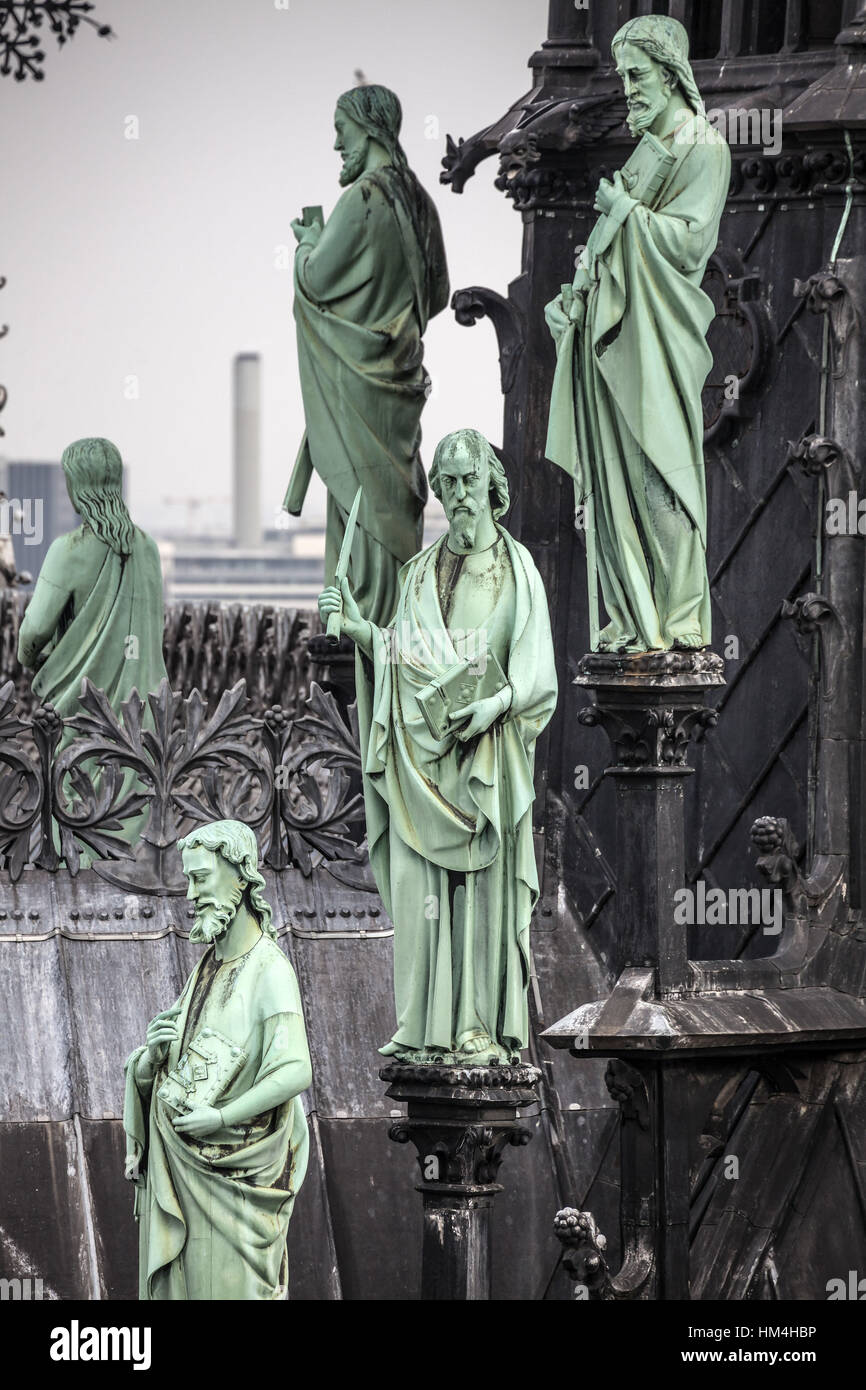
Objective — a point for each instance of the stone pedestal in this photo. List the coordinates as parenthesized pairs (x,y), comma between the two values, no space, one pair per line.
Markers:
(650,706)
(460,1120)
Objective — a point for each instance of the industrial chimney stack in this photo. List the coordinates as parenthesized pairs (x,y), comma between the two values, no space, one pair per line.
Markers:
(247,404)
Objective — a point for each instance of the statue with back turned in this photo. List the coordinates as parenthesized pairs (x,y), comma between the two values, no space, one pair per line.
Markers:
(97,610)
(366,284)
(626,418)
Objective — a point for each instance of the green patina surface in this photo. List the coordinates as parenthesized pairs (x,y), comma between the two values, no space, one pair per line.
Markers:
(449,820)
(625,411)
(365,287)
(212,1109)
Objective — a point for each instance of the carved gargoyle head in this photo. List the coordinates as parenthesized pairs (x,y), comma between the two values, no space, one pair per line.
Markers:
(518,151)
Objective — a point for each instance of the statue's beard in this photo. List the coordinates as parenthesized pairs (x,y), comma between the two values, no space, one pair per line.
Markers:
(643,114)
(463,526)
(353,166)
(214,919)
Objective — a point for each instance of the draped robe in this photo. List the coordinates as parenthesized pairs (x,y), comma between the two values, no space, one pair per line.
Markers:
(97,614)
(625,411)
(449,824)
(88,602)
(212,1223)
(363,296)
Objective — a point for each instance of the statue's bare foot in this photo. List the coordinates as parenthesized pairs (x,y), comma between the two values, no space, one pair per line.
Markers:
(688,642)
(392,1049)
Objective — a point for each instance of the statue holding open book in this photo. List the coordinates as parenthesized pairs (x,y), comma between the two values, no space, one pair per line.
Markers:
(452,697)
(625,412)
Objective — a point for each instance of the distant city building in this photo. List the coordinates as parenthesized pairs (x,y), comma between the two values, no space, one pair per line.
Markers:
(39,491)
(288,568)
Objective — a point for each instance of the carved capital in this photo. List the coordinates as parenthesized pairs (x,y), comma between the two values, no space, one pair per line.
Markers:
(461,1120)
(653,737)
(459,1160)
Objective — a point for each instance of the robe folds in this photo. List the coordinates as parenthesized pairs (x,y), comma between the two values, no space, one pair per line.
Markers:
(99,615)
(625,414)
(88,603)
(449,824)
(363,296)
(212,1222)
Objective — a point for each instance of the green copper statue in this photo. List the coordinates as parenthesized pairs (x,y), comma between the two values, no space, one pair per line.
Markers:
(632,359)
(451,700)
(212,1112)
(365,287)
(97,608)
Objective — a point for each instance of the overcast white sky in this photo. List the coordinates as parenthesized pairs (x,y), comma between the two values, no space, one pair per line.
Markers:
(155,258)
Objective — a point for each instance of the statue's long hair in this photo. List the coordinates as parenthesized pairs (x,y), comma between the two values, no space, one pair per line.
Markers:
(667,41)
(94,477)
(236,843)
(478,448)
(378,111)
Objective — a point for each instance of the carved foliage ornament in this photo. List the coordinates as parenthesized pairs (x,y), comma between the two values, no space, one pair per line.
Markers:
(168,761)
(650,737)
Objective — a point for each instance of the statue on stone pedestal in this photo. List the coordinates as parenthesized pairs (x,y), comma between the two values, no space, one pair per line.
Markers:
(625,410)
(451,699)
(366,285)
(212,1110)
(97,609)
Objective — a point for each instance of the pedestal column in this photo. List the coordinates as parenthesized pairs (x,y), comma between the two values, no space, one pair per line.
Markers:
(461,1120)
(650,706)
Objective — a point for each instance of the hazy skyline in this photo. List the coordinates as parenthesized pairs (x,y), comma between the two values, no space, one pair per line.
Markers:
(148,263)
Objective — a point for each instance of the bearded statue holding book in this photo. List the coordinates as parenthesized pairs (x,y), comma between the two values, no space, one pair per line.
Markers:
(451,700)
(216,1133)
(626,420)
